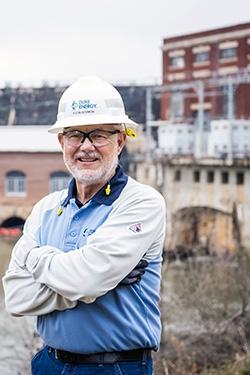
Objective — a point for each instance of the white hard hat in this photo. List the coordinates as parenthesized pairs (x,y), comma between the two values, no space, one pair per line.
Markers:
(91,101)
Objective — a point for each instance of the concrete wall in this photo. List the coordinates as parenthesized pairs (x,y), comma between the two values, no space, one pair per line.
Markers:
(185,193)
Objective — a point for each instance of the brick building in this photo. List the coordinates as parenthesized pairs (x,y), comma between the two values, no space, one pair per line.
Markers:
(210,56)
(31,166)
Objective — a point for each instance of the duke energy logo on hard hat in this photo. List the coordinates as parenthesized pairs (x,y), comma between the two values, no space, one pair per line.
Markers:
(74,105)
(83,106)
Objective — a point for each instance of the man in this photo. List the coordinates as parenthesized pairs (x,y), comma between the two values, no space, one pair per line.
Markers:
(79,263)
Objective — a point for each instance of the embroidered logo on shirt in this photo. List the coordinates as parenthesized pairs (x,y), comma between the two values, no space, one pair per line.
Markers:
(87,232)
(136,228)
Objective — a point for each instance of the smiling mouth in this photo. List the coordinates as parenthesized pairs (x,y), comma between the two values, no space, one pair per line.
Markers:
(87,160)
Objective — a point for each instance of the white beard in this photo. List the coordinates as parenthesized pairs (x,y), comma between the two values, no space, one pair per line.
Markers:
(92,177)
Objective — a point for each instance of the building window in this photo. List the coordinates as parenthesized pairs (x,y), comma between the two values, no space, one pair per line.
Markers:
(15,183)
(177,104)
(210,177)
(228,53)
(177,175)
(224,177)
(201,56)
(58,181)
(240,178)
(177,62)
(196,176)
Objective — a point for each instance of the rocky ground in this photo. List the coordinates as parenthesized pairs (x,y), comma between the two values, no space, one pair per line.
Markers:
(18,343)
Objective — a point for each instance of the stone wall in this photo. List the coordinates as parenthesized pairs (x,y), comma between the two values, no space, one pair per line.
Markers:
(219,203)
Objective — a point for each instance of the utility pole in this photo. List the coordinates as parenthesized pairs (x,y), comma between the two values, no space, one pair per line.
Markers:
(200,125)
(149,117)
(230,99)
(230,116)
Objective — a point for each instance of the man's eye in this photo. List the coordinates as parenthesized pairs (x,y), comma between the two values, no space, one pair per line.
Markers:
(74,135)
(99,136)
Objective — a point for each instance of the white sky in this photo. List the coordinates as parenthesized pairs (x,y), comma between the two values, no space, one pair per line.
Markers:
(119,40)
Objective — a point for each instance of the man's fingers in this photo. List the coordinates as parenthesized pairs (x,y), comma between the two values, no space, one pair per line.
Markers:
(129,281)
(135,275)
(142,264)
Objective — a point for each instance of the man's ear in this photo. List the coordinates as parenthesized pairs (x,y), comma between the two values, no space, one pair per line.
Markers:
(121,141)
(60,139)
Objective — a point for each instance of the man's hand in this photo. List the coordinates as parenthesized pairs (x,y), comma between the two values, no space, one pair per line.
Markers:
(135,275)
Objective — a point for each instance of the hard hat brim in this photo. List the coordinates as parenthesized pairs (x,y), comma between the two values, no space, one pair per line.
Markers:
(92,120)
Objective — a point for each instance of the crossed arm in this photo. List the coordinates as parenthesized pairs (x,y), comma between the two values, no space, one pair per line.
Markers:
(25,296)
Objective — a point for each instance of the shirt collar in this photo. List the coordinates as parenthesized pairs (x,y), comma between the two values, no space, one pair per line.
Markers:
(117,183)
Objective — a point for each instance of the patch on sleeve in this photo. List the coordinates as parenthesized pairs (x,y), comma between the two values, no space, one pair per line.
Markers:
(136,228)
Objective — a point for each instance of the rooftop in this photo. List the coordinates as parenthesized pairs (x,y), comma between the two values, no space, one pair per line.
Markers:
(28,139)
(236,27)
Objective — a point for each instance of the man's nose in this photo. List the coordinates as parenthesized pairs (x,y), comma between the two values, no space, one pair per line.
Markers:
(86,144)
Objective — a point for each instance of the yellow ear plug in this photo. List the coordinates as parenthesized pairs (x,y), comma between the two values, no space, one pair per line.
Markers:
(130,132)
(59,211)
(108,190)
